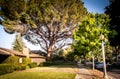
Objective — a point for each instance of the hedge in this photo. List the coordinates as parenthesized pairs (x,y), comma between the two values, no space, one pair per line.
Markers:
(48,63)
(14,60)
(20,67)
(32,65)
(6,68)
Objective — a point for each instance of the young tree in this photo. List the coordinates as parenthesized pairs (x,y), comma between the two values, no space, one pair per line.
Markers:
(48,23)
(86,38)
(18,44)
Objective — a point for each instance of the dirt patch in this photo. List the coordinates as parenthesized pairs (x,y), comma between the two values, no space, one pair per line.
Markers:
(96,74)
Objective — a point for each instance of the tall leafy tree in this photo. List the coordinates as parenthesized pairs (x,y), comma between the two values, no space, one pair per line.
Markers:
(48,23)
(87,37)
(18,44)
(114,14)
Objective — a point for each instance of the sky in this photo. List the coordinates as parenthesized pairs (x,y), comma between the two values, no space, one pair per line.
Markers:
(96,6)
(6,40)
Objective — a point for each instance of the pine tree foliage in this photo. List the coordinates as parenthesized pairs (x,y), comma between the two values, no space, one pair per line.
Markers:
(48,23)
(18,44)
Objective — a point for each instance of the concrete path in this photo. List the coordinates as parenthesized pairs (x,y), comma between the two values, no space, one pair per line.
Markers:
(83,74)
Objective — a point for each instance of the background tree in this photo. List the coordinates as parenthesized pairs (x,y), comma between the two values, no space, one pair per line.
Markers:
(18,44)
(48,23)
(114,14)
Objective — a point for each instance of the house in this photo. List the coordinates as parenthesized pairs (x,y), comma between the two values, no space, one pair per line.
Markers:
(5,53)
(34,56)
(37,56)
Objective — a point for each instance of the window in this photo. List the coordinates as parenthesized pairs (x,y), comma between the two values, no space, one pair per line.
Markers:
(20,60)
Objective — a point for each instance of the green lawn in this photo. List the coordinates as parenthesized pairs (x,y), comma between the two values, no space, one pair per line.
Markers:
(53,72)
(38,75)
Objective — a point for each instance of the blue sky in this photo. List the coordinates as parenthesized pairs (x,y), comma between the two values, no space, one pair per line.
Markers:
(95,6)
(6,40)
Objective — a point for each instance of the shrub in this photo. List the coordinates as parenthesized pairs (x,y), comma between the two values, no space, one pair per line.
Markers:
(32,65)
(48,63)
(14,60)
(26,61)
(11,60)
(6,68)
(20,67)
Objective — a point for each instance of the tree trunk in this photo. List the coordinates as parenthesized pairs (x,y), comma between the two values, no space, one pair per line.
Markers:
(93,62)
(85,60)
(49,53)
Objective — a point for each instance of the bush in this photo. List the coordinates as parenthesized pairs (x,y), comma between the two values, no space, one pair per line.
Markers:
(32,65)
(26,61)
(14,60)
(48,63)
(11,60)
(6,68)
(20,67)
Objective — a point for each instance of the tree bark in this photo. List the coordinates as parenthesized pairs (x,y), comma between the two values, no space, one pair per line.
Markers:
(93,59)
(49,53)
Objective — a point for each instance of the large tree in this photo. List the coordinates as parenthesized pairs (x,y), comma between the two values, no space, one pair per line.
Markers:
(112,10)
(48,23)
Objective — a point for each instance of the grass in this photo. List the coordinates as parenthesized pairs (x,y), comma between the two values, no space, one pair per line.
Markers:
(52,72)
(38,75)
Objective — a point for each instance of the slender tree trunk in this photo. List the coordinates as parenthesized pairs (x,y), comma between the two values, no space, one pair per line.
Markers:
(93,63)
(85,60)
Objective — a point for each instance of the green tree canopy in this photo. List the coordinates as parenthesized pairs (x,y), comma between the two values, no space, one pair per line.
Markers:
(48,23)
(87,37)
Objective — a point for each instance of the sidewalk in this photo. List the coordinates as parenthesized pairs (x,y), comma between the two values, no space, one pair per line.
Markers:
(83,73)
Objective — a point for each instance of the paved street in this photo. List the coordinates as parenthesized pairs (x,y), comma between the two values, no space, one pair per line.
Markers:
(114,73)
(85,74)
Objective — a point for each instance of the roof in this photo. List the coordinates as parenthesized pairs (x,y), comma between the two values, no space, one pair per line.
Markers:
(36,56)
(5,51)
(38,52)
